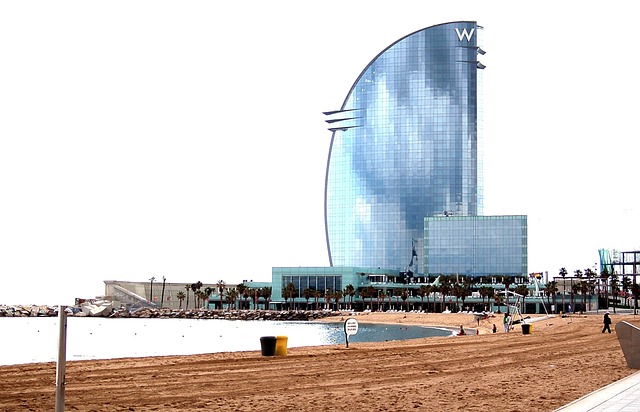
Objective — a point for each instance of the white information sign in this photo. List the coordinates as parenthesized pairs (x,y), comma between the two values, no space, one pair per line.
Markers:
(350,328)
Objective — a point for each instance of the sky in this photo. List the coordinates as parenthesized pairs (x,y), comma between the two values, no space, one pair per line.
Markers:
(187,140)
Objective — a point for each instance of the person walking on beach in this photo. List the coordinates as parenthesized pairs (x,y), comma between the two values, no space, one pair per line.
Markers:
(494,328)
(506,322)
(607,323)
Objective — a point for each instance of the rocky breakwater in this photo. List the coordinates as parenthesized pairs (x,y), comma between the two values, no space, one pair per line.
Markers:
(23,311)
(91,308)
(113,309)
(288,315)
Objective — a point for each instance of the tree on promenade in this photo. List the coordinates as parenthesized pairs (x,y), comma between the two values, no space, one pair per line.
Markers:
(350,291)
(550,289)
(180,297)
(187,288)
(507,281)
(563,273)
(615,289)
(208,291)
(423,291)
(306,294)
(635,290)
(220,285)
(522,290)
(317,294)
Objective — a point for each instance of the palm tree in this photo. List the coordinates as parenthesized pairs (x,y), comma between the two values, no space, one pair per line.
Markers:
(194,287)
(457,292)
(575,288)
(604,276)
(350,291)
(498,301)
(364,294)
(285,295)
(337,296)
(242,289)
(430,290)
(265,293)
(327,298)
(507,281)
(404,295)
(615,289)
(307,293)
(317,294)
(187,288)
(208,291)
(626,286)
(464,292)
(445,287)
(221,285)
(180,297)
(423,291)
(231,297)
(485,292)
(383,295)
(291,293)
(584,289)
(371,292)
(253,292)
(435,289)
(550,289)
(591,276)
(635,290)
(563,272)
(522,290)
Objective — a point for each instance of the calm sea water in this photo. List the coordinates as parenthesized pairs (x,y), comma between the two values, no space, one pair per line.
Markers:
(29,340)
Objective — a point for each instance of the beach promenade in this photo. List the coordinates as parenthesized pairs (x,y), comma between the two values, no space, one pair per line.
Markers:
(560,362)
(620,396)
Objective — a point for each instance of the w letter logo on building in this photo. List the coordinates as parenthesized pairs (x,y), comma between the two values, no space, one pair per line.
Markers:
(464,34)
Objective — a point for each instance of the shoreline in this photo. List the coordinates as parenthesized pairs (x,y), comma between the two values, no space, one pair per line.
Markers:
(562,360)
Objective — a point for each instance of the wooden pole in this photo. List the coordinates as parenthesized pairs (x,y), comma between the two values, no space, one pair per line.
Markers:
(61,366)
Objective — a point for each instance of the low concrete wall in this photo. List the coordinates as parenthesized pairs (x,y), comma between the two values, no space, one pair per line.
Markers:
(629,338)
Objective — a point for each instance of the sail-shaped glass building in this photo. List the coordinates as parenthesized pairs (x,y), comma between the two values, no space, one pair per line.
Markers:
(404,146)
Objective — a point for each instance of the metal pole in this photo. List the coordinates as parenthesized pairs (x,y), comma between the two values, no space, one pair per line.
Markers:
(62,358)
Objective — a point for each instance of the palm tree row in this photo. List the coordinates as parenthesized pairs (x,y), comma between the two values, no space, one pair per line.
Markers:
(225,295)
(587,283)
(455,286)
(584,283)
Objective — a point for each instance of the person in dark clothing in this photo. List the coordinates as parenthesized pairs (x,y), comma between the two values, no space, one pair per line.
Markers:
(607,323)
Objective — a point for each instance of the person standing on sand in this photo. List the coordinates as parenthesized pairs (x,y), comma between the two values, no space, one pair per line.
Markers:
(607,323)
(506,322)
(494,328)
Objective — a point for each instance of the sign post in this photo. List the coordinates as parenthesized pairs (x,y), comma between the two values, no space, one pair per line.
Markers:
(350,328)
(61,365)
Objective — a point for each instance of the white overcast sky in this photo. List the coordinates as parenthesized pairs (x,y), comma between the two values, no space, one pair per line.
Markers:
(186,139)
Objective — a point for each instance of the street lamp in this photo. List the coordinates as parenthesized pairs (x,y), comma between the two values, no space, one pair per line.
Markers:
(162,296)
(597,276)
(151,294)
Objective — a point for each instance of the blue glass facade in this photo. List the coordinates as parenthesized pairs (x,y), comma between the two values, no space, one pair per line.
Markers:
(475,245)
(404,146)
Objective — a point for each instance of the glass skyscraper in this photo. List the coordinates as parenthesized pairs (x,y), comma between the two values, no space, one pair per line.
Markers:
(404,146)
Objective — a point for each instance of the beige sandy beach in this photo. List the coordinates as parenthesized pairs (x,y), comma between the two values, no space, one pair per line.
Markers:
(561,360)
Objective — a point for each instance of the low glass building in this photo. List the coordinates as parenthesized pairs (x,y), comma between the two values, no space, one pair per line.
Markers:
(475,245)
(325,279)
